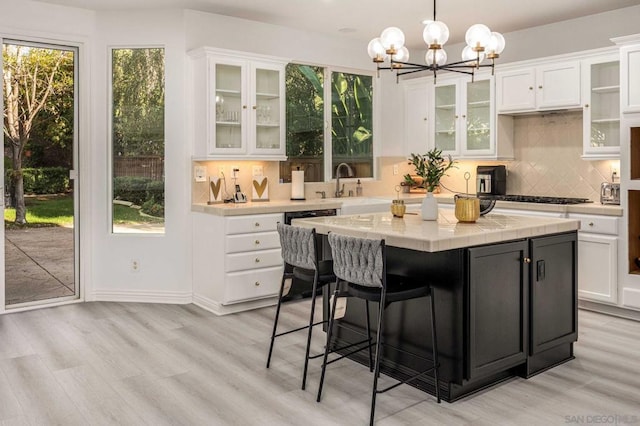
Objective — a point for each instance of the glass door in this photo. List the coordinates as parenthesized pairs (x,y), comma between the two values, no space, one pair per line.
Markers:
(446,118)
(40,154)
(230,108)
(478,120)
(268,109)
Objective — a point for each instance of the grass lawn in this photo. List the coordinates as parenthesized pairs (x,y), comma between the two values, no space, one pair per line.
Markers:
(58,211)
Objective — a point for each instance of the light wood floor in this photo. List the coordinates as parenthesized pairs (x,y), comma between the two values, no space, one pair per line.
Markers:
(118,363)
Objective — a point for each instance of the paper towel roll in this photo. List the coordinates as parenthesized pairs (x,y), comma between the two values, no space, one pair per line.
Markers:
(297,185)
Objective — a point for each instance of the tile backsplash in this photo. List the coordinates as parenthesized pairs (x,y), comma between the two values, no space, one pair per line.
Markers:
(547,147)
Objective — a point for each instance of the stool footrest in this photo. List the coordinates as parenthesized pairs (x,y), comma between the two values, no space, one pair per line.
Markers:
(350,352)
(401,382)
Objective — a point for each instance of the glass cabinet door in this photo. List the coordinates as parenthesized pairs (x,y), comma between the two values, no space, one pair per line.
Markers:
(445,117)
(478,124)
(267,109)
(605,105)
(229,107)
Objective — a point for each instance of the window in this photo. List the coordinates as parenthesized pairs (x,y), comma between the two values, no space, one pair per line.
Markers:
(137,140)
(347,105)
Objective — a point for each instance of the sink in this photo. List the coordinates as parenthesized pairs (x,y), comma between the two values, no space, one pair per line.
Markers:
(359,205)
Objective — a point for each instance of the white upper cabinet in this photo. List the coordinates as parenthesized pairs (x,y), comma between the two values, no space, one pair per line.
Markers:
(629,72)
(238,105)
(416,116)
(601,110)
(544,87)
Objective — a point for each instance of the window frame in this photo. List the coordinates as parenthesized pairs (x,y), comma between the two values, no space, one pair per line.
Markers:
(327,137)
(110,148)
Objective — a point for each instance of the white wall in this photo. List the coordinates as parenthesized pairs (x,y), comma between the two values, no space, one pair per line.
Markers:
(165,266)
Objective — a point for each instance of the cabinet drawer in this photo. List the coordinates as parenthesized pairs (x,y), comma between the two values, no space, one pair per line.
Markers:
(251,242)
(596,224)
(241,286)
(253,260)
(253,223)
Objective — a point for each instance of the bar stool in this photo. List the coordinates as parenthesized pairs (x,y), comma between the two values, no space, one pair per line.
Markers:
(300,255)
(361,272)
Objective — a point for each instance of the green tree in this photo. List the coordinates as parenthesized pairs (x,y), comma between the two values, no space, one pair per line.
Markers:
(138,101)
(31,78)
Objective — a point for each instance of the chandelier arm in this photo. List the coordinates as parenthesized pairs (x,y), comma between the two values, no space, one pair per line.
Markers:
(434,10)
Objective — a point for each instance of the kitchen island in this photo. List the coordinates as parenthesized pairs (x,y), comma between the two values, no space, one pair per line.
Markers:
(505,293)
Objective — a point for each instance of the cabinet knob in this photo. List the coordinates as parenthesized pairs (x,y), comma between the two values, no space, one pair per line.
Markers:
(456,116)
(540,87)
(464,116)
(255,107)
(586,105)
(257,260)
(257,283)
(257,242)
(527,260)
(244,107)
(530,87)
(425,119)
(257,224)
(590,223)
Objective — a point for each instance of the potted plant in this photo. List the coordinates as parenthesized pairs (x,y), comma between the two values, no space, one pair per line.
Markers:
(431,167)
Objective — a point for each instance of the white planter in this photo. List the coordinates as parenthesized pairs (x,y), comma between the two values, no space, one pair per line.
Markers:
(429,209)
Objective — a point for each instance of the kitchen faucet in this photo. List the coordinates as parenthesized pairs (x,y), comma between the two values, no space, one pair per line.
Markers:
(340,191)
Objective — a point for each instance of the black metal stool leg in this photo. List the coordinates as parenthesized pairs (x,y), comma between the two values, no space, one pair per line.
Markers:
(311,315)
(376,371)
(275,322)
(434,344)
(369,336)
(332,312)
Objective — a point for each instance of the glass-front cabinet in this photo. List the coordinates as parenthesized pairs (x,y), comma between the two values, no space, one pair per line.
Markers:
(601,111)
(239,105)
(463,117)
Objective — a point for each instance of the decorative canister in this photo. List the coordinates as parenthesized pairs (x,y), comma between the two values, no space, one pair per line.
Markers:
(398,208)
(467,208)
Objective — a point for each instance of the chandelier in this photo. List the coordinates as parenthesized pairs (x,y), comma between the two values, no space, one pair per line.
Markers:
(481,44)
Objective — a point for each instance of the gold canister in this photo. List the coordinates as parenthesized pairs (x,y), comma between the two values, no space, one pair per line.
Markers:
(467,208)
(398,208)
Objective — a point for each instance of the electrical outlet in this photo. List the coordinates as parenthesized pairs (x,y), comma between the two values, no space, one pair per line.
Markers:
(200,173)
(614,174)
(221,171)
(395,169)
(135,265)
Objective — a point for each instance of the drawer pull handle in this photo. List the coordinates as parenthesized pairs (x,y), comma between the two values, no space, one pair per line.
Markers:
(257,260)
(257,224)
(257,242)
(590,223)
(527,260)
(257,283)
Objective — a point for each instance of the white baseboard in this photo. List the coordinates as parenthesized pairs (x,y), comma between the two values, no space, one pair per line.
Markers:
(609,310)
(142,296)
(219,309)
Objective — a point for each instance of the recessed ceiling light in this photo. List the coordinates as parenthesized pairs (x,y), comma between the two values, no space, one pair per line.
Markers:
(347,30)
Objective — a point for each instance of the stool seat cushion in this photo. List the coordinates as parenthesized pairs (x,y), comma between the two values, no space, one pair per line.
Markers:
(325,269)
(398,288)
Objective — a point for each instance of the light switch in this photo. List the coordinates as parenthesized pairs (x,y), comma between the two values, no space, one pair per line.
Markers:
(258,171)
(200,173)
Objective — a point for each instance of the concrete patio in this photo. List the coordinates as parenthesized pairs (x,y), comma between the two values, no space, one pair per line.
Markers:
(38,264)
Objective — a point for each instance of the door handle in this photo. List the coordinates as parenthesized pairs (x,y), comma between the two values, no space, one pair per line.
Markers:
(540,270)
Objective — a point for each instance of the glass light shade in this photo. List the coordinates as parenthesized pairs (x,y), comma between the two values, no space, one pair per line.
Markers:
(376,49)
(438,57)
(392,37)
(402,55)
(470,56)
(496,43)
(478,35)
(436,32)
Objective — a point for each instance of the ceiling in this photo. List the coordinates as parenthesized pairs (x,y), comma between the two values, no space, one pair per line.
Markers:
(365,19)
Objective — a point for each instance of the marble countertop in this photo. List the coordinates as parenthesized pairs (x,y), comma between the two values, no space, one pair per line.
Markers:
(446,233)
(281,206)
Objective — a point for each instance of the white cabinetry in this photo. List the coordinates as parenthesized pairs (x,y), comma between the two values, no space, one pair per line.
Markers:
(237,261)
(238,105)
(416,116)
(544,87)
(629,72)
(597,258)
(601,111)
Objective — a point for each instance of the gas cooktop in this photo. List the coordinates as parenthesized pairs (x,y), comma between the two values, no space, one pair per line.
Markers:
(536,199)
